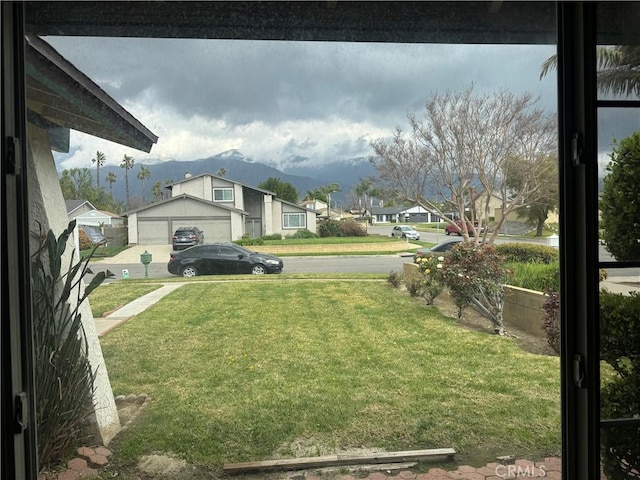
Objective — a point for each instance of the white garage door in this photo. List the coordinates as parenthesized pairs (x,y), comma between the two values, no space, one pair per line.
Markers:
(214,230)
(153,232)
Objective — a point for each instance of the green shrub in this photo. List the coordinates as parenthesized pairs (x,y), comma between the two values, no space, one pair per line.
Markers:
(248,242)
(551,319)
(303,234)
(620,348)
(429,283)
(329,228)
(395,279)
(350,228)
(414,287)
(619,200)
(535,276)
(527,253)
(273,236)
(64,379)
(475,275)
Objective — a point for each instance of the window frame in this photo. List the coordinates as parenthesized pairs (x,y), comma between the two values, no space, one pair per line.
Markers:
(224,190)
(285,223)
(576,35)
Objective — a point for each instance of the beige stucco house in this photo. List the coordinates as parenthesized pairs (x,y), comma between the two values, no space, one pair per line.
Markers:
(225,210)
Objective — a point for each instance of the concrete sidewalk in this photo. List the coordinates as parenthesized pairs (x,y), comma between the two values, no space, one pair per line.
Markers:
(124,313)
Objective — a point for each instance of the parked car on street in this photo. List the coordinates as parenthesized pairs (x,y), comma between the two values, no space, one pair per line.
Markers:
(185,237)
(220,259)
(439,248)
(406,232)
(457,228)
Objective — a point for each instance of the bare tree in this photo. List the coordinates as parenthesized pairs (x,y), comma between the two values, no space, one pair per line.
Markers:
(461,148)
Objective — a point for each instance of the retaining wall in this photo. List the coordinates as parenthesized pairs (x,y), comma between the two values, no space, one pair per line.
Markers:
(522,307)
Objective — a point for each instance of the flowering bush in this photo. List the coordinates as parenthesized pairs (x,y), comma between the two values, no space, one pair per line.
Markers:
(430,284)
(475,275)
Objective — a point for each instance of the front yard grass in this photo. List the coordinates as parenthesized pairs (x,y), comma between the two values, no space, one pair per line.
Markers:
(109,296)
(242,371)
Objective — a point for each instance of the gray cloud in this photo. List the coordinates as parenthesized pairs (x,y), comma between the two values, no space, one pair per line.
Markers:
(256,93)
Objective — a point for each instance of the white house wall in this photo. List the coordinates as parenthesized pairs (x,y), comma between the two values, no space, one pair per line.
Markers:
(81,210)
(133,228)
(199,187)
(96,218)
(46,205)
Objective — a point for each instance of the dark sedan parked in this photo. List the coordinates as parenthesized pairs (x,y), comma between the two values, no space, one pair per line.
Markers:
(222,258)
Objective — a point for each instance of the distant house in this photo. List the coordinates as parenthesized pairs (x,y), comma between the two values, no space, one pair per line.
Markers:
(77,207)
(85,213)
(414,214)
(100,218)
(225,210)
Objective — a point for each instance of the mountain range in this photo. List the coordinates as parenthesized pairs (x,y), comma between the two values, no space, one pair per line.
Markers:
(301,173)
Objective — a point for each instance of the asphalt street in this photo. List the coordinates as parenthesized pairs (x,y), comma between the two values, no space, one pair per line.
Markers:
(134,269)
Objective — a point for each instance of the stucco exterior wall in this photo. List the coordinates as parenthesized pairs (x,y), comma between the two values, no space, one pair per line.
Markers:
(47,207)
(197,187)
(133,228)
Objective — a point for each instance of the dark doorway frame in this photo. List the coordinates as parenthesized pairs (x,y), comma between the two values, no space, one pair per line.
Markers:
(450,22)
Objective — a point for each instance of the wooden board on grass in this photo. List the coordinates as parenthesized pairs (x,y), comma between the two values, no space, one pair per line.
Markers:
(339,460)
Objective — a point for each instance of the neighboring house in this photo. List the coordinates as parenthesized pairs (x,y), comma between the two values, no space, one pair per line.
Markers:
(100,218)
(414,214)
(77,207)
(223,209)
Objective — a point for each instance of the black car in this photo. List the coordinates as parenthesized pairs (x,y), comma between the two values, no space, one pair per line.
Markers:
(439,248)
(185,237)
(222,258)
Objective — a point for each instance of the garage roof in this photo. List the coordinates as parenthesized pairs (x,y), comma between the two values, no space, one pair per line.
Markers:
(182,197)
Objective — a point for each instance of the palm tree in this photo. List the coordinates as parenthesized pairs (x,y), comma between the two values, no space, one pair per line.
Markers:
(111,179)
(618,69)
(99,161)
(127,164)
(156,190)
(143,174)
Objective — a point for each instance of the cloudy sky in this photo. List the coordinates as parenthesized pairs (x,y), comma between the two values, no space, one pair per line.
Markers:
(276,100)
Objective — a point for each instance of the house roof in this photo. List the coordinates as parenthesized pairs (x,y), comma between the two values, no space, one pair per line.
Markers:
(73,205)
(101,213)
(182,197)
(386,210)
(222,178)
(60,97)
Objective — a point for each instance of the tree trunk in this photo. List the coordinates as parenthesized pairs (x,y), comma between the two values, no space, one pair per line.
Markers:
(539,227)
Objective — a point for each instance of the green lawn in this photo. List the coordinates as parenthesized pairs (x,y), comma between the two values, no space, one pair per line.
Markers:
(109,296)
(242,371)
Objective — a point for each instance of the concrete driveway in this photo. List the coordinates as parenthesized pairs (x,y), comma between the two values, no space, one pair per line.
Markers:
(159,254)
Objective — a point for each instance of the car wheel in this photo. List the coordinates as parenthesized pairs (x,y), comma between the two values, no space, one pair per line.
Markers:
(404,237)
(258,269)
(447,232)
(189,272)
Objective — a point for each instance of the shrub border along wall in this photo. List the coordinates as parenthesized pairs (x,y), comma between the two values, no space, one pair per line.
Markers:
(522,307)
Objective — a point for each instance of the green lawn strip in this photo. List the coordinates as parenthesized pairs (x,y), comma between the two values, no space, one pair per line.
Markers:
(102,252)
(110,296)
(332,240)
(238,371)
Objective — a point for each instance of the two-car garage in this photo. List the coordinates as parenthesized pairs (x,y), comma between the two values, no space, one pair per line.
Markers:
(155,223)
